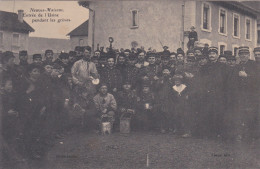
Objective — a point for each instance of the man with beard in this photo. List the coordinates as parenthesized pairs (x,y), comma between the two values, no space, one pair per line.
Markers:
(111,76)
(48,56)
(245,75)
(141,60)
(84,71)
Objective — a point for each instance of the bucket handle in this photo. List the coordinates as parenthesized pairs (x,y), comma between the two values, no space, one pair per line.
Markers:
(121,117)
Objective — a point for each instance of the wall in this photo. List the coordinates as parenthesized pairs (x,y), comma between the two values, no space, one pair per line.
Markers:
(39,45)
(158,20)
(7,42)
(214,35)
(74,41)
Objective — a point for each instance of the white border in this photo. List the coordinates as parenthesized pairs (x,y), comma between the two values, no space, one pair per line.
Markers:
(238,32)
(201,25)
(225,26)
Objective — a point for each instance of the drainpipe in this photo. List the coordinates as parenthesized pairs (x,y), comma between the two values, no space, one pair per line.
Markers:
(93,29)
(182,24)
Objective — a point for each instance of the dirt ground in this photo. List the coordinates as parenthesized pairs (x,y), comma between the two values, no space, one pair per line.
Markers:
(129,151)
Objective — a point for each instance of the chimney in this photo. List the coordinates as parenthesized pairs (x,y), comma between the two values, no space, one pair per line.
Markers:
(20,15)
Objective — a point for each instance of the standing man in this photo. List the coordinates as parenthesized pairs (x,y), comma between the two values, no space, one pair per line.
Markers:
(193,36)
(48,56)
(84,71)
(245,76)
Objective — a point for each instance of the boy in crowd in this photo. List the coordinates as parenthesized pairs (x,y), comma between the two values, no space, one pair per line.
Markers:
(127,99)
(37,59)
(105,104)
(145,109)
(48,56)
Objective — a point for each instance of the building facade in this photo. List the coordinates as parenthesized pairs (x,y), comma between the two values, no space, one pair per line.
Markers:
(14,32)
(225,25)
(79,36)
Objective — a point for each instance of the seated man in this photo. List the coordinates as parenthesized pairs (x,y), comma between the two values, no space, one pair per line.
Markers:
(105,104)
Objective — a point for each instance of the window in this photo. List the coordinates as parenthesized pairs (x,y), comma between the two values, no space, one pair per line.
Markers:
(16,39)
(258,36)
(134,21)
(236,25)
(248,29)
(222,49)
(235,49)
(222,46)
(222,21)
(206,17)
(1,38)
(81,42)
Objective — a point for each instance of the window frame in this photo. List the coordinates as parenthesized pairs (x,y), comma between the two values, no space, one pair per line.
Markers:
(221,44)
(225,26)
(250,39)
(233,48)
(202,15)
(18,44)
(2,42)
(82,42)
(238,27)
(136,19)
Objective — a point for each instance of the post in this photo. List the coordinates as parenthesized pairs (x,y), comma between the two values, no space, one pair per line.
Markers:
(182,24)
(93,31)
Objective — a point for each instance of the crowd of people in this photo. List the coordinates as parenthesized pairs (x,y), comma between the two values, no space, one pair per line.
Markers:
(200,93)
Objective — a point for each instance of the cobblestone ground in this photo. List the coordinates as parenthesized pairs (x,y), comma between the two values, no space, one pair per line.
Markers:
(166,151)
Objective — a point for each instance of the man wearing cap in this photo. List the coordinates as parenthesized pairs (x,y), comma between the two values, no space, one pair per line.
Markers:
(111,75)
(121,63)
(48,57)
(212,81)
(37,59)
(257,89)
(63,61)
(245,75)
(84,71)
(131,72)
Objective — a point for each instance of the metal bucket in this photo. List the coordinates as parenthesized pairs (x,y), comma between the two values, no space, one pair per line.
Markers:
(125,124)
(106,127)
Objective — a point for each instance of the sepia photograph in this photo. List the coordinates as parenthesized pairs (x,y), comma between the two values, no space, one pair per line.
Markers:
(129,84)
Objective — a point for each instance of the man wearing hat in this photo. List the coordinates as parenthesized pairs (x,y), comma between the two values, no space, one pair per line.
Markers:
(37,59)
(245,74)
(257,88)
(121,62)
(79,52)
(63,60)
(84,71)
(48,56)
(212,80)
(131,72)
(111,75)
(193,36)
